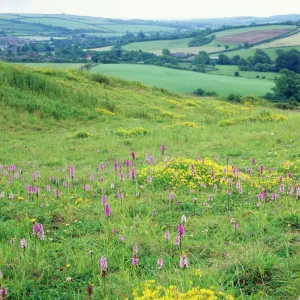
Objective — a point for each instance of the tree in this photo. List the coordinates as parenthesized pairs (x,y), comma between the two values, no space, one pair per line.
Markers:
(287,86)
(166,52)
(224,60)
(205,57)
(235,60)
(246,45)
(236,74)
(260,57)
(226,47)
(288,60)
(199,60)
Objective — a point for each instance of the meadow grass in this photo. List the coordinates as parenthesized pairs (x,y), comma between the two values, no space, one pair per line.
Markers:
(185,81)
(51,65)
(256,259)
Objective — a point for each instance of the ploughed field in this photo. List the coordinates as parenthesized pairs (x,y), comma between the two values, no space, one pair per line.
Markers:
(252,37)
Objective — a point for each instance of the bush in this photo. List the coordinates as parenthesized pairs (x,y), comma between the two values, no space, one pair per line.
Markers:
(211,94)
(291,105)
(202,93)
(232,97)
(236,73)
(199,92)
(81,134)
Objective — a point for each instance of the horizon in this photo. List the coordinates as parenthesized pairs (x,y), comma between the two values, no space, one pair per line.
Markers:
(168,10)
(150,19)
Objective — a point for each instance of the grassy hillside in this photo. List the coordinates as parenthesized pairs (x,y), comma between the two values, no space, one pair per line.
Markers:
(51,119)
(52,65)
(186,81)
(40,25)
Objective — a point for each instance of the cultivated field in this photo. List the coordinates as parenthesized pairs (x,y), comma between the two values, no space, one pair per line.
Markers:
(113,190)
(185,81)
(290,41)
(252,37)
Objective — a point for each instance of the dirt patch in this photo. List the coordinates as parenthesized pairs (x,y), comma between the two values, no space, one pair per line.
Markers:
(252,36)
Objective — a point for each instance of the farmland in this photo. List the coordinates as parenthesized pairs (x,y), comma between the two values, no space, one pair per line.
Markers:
(24,24)
(111,190)
(252,37)
(290,41)
(179,45)
(185,81)
(223,38)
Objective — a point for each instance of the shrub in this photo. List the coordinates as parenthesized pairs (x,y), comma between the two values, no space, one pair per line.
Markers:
(132,132)
(103,111)
(81,134)
(232,97)
(236,74)
(262,117)
(199,92)
(211,94)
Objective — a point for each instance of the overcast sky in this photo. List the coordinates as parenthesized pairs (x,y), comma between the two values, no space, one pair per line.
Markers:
(154,9)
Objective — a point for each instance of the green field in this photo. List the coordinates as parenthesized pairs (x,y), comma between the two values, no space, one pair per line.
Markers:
(230,70)
(186,81)
(213,215)
(136,28)
(179,45)
(245,53)
(32,24)
(61,23)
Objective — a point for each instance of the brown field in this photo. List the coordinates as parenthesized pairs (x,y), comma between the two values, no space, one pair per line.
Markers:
(252,36)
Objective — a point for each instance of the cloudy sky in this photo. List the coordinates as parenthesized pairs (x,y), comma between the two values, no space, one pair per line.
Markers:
(154,9)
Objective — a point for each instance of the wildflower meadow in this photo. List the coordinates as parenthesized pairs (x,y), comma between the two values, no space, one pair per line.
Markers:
(119,200)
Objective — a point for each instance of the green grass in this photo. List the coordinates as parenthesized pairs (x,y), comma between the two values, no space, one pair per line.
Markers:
(52,65)
(230,70)
(258,261)
(185,81)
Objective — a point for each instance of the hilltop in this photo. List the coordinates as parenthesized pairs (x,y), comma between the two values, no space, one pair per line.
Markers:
(111,189)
